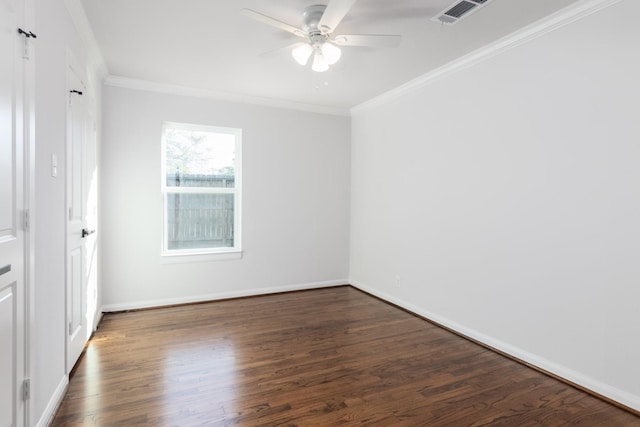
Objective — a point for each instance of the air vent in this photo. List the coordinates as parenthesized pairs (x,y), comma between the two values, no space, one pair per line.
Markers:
(459,10)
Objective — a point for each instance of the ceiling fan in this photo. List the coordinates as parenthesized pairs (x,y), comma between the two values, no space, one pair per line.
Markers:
(318,24)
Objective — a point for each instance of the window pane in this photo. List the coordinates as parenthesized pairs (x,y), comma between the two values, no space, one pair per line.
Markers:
(197,158)
(197,221)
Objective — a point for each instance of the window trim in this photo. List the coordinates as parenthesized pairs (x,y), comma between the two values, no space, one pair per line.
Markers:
(204,254)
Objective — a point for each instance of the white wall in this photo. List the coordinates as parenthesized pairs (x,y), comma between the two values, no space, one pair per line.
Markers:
(295,223)
(506,198)
(56,37)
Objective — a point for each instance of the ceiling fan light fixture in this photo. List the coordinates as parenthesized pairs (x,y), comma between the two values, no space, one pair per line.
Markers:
(331,53)
(319,62)
(319,21)
(302,53)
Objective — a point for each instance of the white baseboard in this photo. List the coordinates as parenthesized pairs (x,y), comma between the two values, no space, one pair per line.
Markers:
(49,412)
(220,295)
(627,399)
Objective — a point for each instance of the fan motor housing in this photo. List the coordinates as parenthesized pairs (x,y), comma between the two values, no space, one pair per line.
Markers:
(311,17)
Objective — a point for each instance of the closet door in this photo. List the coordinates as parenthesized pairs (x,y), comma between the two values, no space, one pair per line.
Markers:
(81,218)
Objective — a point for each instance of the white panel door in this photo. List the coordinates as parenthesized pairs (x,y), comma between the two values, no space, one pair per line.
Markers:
(12,277)
(80,238)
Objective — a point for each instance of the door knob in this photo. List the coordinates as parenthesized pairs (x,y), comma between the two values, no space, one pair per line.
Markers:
(5,269)
(86,232)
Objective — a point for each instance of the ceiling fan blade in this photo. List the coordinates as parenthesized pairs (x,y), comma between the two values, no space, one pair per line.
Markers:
(273,22)
(370,40)
(280,50)
(334,13)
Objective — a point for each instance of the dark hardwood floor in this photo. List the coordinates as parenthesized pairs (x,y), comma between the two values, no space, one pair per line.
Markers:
(316,358)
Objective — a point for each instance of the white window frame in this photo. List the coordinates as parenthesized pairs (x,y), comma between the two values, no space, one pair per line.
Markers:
(203,254)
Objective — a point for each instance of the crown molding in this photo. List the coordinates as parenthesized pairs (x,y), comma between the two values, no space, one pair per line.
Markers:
(539,28)
(128,83)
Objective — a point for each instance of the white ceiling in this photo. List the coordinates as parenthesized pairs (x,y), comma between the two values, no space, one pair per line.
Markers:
(208,44)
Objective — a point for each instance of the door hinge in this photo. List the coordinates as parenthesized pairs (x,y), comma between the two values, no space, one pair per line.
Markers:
(70,328)
(26,389)
(26,220)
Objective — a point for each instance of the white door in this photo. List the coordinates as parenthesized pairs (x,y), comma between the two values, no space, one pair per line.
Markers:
(12,271)
(81,220)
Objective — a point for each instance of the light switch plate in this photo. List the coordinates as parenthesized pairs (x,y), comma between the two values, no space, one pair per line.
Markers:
(54,165)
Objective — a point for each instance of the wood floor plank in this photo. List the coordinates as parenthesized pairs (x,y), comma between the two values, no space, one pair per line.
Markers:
(315,358)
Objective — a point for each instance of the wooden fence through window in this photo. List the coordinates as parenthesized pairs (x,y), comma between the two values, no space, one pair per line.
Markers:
(200,220)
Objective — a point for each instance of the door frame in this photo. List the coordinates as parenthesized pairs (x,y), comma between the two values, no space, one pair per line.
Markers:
(24,160)
(29,188)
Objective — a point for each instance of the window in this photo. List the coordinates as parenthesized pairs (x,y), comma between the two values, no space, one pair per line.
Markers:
(201,189)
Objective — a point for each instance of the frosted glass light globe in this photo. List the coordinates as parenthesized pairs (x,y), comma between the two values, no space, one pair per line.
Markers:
(319,62)
(331,53)
(302,53)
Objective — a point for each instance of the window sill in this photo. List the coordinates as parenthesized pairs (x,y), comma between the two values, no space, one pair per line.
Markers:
(185,257)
